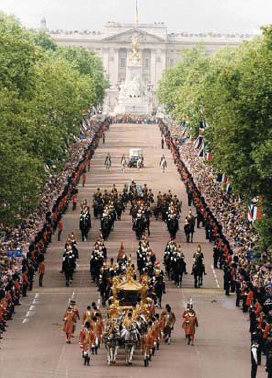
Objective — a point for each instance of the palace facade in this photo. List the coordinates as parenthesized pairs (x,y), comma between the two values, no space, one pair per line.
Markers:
(158,48)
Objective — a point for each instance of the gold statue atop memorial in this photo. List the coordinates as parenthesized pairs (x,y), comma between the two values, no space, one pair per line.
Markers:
(135,54)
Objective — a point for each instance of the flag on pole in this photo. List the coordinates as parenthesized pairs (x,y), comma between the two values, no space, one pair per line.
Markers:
(224,181)
(137,13)
(254,209)
(209,156)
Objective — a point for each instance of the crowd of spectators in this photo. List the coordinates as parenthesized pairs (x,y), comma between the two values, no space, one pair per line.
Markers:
(224,216)
(135,119)
(22,248)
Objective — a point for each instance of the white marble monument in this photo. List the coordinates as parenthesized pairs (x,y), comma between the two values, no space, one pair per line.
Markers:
(133,95)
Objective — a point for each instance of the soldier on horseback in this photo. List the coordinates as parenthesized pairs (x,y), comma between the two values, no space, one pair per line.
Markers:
(189,227)
(198,268)
(163,163)
(85,222)
(123,162)
(108,161)
(172,221)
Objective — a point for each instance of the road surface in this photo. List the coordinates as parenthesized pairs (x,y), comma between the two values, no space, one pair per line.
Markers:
(34,346)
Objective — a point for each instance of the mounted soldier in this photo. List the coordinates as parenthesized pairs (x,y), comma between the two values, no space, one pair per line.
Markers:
(108,161)
(172,221)
(85,223)
(198,268)
(123,163)
(189,227)
(163,163)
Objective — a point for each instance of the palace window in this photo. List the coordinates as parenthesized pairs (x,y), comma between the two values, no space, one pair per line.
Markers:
(146,63)
(123,62)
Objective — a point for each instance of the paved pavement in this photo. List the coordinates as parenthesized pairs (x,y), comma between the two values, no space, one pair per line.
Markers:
(34,345)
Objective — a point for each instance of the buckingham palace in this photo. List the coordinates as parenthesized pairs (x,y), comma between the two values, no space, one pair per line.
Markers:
(159,49)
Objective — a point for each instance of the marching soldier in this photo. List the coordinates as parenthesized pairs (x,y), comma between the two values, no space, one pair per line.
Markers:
(75,313)
(100,326)
(189,325)
(145,348)
(168,321)
(85,341)
(87,316)
(96,333)
(69,324)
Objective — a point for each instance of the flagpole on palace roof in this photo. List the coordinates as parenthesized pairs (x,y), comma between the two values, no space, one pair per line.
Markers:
(137,14)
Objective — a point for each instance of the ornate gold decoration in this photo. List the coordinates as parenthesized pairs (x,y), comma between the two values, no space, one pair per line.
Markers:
(135,54)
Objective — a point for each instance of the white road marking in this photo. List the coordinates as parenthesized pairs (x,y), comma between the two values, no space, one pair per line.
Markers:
(31,310)
(215,277)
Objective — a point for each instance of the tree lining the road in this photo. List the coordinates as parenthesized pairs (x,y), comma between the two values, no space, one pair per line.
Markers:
(43,90)
(232,92)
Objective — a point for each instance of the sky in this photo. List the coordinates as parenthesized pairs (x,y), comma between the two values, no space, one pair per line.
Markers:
(222,16)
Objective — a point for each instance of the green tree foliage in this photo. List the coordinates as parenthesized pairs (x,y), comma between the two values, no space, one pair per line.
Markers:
(44,40)
(180,88)
(42,94)
(18,56)
(88,64)
(232,91)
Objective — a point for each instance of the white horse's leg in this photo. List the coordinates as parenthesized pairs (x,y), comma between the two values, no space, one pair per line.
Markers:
(115,352)
(131,353)
(126,353)
(109,355)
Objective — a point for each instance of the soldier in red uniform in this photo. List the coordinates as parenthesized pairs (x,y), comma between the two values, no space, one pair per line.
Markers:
(24,283)
(75,313)
(95,328)
(87,316)
(60,228)
(86,339)
(147,343)
(83,178)
(189,325)
(100,325)
(41,273)
(168,319)
(74,200)
(69,324)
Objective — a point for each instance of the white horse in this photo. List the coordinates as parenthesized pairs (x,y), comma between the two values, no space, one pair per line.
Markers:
(108,162)
(139,163)
(130,336)
(163,164)
(123,164)
(112,338)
